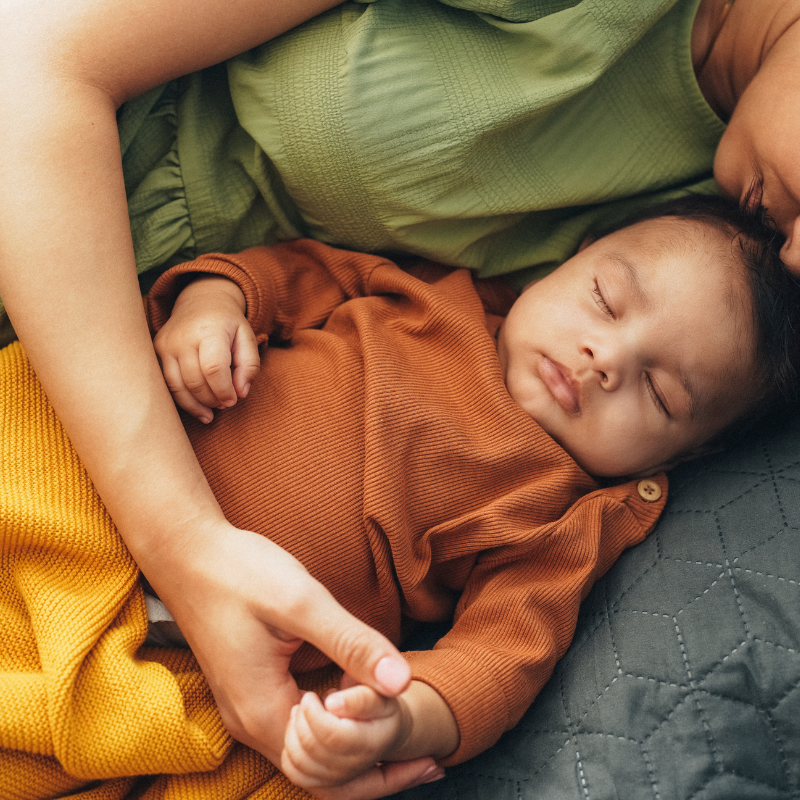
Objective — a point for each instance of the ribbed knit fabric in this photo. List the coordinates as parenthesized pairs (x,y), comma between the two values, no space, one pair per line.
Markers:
(379,445)
(79,700)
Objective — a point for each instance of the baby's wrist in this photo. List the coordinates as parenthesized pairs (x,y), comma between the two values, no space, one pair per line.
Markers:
(427,727)
(403,734)
(214,285)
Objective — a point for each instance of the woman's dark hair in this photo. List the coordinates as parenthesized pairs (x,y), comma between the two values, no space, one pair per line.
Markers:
(774,292)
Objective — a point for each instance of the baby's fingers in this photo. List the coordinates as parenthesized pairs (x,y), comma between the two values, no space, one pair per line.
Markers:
(246,359)
(180,393)
(360,703)
(312,746)
(213,385)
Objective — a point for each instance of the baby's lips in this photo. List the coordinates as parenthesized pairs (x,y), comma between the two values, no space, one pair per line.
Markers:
(554,377)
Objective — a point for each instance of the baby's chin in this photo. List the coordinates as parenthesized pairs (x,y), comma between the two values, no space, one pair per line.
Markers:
(605,465)
(604,462)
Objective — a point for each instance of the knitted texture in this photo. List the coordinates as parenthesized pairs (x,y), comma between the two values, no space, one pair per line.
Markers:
(82,701)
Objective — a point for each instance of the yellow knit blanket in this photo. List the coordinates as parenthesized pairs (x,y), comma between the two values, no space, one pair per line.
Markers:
(85,710)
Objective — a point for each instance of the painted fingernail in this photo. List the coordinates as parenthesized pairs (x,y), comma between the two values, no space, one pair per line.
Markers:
(435,775)
(334,702)
(392,674)
(429,771)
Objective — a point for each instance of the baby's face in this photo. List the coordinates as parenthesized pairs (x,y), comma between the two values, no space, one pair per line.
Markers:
(635,351)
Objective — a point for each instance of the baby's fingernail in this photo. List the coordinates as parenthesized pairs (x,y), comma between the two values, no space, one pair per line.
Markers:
(392,674)
(206,418)
(245,390)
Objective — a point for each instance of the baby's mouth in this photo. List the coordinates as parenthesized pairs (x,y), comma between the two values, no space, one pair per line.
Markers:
(555,378)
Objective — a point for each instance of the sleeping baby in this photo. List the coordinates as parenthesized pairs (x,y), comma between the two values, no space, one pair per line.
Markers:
(434,448)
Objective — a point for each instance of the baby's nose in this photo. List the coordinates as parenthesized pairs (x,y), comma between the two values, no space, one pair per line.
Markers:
(607,366)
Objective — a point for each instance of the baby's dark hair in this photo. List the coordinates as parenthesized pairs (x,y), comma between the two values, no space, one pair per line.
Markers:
(774,294)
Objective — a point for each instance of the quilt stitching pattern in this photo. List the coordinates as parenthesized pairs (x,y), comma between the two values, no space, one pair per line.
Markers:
(683,679)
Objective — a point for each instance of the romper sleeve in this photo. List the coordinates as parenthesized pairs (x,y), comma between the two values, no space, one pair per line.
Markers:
(518,612)
(287,287)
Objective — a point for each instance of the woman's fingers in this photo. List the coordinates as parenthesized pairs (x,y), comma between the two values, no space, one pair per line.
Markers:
(359,650)
(384,780)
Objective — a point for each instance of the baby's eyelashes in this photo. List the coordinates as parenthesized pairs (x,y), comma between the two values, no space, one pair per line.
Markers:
(601,301)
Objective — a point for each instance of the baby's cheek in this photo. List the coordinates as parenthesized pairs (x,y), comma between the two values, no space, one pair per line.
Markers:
(613,447)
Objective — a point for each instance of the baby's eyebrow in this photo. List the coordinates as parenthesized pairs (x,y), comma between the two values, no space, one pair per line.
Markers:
(631,272)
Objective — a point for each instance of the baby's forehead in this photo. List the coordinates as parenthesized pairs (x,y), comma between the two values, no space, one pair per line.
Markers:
(733,384)
(692,237)
(692,277)
(731,377)
(703,246)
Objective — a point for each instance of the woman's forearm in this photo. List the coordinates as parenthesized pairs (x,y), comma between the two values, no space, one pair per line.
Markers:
(68,281)
(67,272)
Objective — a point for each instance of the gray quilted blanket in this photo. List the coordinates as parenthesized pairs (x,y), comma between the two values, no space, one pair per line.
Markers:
(683,680)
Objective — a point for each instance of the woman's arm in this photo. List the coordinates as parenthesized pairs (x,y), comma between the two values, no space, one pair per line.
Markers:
(67,279)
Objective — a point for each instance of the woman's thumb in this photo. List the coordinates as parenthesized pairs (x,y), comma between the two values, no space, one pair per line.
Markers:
(366,655)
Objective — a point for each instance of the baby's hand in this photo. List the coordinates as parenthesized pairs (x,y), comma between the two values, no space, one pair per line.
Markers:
(207,349)
(328,744)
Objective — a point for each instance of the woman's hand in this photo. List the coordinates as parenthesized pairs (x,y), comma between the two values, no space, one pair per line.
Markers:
(207,349)
(245,606)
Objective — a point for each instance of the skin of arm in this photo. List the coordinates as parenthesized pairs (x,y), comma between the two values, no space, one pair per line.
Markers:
(67,279)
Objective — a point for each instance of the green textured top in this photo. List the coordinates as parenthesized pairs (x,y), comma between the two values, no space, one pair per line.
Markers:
(482,134)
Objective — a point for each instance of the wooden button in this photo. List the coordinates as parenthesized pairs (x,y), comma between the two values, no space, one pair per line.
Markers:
(649,490)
